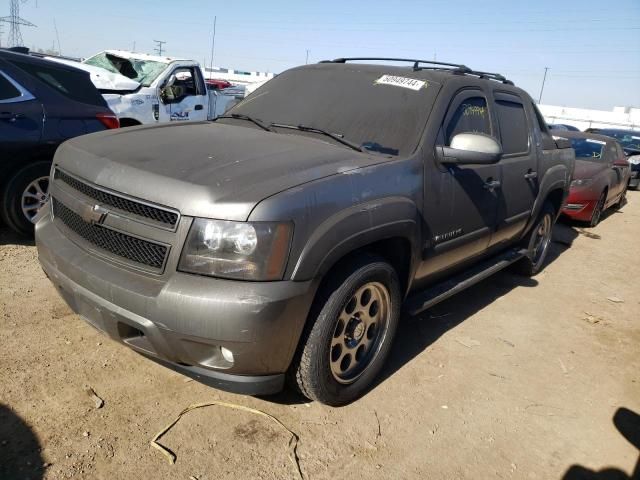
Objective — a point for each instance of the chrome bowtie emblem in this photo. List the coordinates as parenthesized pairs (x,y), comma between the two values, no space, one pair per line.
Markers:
(94,214)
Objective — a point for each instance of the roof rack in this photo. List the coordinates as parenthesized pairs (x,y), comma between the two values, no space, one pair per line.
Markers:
(454,68)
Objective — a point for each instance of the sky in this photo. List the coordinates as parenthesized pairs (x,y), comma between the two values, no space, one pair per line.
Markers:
(591,47)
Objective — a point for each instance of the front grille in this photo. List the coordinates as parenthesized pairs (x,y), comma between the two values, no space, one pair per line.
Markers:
(165,217)
(132,248)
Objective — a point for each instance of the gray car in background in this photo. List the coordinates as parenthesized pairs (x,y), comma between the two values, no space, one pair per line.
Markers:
(284,239)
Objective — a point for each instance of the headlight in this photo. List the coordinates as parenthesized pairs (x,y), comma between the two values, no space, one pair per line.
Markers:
(583,182)
(236,250)
(634,160)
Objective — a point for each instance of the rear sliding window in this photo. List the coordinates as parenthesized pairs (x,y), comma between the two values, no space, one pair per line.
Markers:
(514,131)
(7,90)
(71,84)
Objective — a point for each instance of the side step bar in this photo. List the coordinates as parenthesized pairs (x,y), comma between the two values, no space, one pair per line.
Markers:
(420,301)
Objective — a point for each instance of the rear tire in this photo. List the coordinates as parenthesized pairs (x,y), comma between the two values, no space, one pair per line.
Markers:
(24,194)
(349,332)
(537,242)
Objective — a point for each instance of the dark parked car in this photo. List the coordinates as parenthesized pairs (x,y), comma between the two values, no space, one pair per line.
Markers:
(600,177)
(287,236)
(563,127)
(630,141)
(42,104)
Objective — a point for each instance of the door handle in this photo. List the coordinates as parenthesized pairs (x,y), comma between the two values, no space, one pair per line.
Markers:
(199,107)
(491,185)
(530,175)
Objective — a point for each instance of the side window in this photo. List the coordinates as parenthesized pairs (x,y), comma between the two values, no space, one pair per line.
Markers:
(514,131)
(7,90)
(471,115)
(75,85)
(186,80)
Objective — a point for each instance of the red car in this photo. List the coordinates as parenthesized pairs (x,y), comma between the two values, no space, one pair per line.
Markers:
(600,178)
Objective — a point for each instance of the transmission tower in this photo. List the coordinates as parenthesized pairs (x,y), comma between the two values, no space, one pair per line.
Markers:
(158,49)
(14,20)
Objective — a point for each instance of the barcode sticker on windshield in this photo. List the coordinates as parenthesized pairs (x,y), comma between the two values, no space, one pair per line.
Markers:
(404,82)
(591,140)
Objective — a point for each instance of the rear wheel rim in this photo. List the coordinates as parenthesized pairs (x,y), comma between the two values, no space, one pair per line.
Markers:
(359,332)
(34,197)
(542,239)
(597,212)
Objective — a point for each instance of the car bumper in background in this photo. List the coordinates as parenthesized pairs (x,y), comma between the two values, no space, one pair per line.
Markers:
(236,336)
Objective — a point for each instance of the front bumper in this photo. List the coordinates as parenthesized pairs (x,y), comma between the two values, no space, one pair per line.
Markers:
(184,321)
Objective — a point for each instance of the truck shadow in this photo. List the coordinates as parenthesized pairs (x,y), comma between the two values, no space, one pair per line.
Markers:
(627,423)
(8,237)
(19,448)
(415,334)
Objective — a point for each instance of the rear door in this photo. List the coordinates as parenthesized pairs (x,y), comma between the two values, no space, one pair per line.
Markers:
(518,166)
(21,115)
(460,207)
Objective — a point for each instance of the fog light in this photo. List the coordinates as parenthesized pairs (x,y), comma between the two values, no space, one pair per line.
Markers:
(227,354)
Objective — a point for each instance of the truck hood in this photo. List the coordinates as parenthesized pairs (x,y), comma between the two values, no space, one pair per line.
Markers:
(205,169)
(587,169)
(102,79)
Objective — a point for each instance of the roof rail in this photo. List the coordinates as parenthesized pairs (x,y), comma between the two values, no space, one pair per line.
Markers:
(416,63)
(431,64)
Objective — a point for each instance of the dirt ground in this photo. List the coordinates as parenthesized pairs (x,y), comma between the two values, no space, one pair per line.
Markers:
(515,378)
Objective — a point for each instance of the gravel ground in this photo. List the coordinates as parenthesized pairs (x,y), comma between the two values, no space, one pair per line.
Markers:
(515,378)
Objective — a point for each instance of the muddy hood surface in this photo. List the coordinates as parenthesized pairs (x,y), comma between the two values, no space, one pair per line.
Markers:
(205,169)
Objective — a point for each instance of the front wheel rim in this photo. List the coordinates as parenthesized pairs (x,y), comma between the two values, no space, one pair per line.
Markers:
(359,333)
(598,211)
(34,197)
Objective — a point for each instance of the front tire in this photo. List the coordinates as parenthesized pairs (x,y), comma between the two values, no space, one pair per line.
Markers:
(23,196)
(597,211)
(537,242)
(349,333)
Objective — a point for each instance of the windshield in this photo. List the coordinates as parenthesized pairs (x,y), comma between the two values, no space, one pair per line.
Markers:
(142,71)
(628,139)
(359,104)
(588,149)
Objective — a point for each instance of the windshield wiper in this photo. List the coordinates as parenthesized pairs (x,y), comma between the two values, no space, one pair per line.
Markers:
(304,128)
(240,116)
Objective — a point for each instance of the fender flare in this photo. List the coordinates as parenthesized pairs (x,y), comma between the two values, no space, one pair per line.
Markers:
(354,228)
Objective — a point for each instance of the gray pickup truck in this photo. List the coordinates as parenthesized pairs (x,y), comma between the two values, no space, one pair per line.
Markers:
(284,240)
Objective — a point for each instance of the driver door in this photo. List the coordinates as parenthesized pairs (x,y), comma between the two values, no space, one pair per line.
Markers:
(460,201)
(184,96)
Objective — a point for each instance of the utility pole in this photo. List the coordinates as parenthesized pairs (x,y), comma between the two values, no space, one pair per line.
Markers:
(14,20)
(134,46)
(544,79)
(307,60)
(213,44)
(158,49)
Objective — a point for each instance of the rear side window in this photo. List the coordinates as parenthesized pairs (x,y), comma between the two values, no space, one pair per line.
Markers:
(514,131)
(71,84)
(7,90)
(470,116)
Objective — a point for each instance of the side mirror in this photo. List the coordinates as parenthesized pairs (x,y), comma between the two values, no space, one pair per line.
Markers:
(620,162)
(470,149)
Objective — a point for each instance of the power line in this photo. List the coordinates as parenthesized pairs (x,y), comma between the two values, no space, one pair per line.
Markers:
(158,49)
(14,20)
